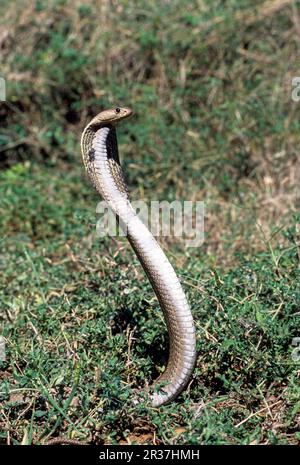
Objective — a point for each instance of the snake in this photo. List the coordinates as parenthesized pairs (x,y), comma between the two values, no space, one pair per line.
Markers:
(100,155)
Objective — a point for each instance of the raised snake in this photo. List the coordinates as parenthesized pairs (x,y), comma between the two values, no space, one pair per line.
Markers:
(101,159)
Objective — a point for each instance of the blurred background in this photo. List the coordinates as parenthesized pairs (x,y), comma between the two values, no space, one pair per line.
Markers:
(210,83)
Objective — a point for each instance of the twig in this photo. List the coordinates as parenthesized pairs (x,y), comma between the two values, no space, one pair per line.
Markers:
(72,442)
(257,413)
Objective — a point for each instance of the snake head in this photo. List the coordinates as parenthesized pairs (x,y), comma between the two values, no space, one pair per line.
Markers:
(112,116)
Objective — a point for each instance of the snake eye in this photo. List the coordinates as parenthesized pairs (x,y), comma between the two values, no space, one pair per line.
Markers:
(117,110)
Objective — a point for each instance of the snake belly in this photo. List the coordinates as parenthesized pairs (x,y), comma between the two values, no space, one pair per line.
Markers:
(101,159)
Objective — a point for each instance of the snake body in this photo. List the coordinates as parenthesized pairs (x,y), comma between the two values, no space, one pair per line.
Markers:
(101,159)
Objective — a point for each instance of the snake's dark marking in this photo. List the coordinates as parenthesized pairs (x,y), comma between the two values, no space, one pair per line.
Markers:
(107,177)
(91,155)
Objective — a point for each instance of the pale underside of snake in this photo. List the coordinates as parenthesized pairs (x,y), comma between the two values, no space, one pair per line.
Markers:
(101,159)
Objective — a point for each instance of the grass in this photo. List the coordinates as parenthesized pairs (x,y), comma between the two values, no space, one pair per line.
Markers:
(210,86)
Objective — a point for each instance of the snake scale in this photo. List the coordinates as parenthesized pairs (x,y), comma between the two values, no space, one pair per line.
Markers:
(101,159)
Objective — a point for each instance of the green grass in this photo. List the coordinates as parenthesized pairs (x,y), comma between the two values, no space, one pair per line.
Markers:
(214,121)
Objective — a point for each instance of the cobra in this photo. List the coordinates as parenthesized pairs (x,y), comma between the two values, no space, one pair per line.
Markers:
(101,159)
